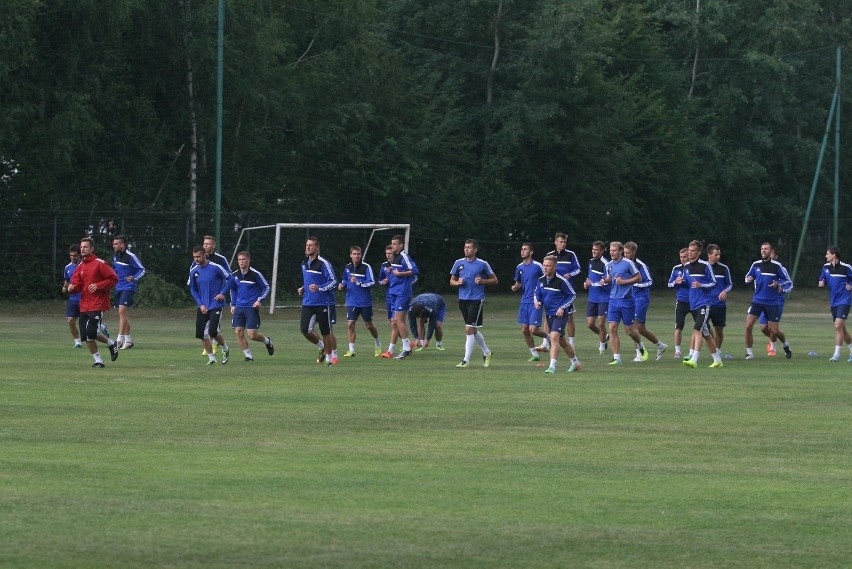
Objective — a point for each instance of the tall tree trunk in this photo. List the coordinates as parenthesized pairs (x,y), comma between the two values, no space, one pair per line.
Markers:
(489,91)
(489,85)
(193,125)
(695,59)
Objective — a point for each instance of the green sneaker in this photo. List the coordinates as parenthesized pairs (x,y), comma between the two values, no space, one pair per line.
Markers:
(226,355)
(615,363)
(462,364)
(210,363)
(715,364)
(440,347)
(378,351)
(644,355)
(534,359)
(486,360)
(690,363)
(571,369)
(349,355)
(550,370)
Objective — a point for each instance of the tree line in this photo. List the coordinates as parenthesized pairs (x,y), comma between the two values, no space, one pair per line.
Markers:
(658,121)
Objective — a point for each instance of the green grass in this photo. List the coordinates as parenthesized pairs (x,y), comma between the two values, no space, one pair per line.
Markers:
(158,460)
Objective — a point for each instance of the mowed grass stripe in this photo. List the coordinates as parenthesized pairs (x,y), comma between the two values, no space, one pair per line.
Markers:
(158,460)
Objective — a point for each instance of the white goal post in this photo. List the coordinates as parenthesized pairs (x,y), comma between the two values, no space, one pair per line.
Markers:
(279,226)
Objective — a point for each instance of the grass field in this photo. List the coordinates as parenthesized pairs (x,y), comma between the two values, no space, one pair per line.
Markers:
(158,460)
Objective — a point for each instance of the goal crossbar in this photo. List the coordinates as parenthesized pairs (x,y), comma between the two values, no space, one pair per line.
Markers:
(279,226)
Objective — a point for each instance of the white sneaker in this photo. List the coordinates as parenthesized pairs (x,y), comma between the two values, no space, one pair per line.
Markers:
(638,359)
(661,350)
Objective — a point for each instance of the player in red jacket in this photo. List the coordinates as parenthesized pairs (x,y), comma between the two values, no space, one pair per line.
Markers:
(93,279)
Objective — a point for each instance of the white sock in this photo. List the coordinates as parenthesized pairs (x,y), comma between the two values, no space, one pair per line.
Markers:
(533,351)
(480,341)
(553,363)
(406,345)
(352,347)
(469,341)
(571,340)
(98,359)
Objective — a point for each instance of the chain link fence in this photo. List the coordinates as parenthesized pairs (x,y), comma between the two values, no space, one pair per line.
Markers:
(35,247)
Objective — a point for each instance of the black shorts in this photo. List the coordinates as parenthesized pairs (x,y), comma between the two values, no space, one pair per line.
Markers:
(324,316)
(681,310)
(471,312)
(702,316)
(90,325)
(202,320)
(719,316)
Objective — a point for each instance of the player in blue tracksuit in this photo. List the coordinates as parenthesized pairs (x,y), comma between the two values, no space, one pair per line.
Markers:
(642,296)
(471,275)
(837,277)
(770,280)
(681,298)
(317,292)
(598,304)
(129,270)
(209,244)
(556,296)
(719,294)
(248,288)
(426,318)
(358,282)
(779,300)
(403,272)
(527,274)
(621,275)
(72,307)
(700,279)
(568,266)
(207,283)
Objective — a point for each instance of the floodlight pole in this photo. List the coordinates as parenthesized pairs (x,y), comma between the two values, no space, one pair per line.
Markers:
(835,108)
(220,72)
(835,234)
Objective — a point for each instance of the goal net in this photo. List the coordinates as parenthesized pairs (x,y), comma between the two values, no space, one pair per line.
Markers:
(288,251)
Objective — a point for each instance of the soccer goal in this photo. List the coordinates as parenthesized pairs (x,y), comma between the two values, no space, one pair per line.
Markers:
(335,240)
